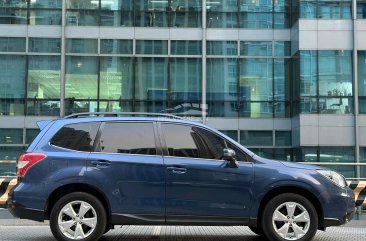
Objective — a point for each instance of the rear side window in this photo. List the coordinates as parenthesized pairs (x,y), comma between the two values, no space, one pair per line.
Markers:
(128,138)
(78,137)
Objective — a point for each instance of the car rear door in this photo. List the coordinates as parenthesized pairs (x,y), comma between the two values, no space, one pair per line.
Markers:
(128,166)
(202,188)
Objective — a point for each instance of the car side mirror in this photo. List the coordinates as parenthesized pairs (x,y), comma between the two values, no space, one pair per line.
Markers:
(229,155)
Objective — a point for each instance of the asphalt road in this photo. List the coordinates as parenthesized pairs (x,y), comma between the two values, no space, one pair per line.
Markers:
(173,233)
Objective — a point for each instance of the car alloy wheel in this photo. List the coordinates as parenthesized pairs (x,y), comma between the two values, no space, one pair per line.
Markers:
(77,220)
(291,221)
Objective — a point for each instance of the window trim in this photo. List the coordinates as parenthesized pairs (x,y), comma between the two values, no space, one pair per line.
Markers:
(165,148)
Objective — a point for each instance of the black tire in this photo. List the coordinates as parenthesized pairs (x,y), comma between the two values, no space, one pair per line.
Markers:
(257,230)
(99,211)
(273,204)
(107,229)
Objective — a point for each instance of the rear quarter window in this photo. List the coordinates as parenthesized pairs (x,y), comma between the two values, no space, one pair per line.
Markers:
(78,137)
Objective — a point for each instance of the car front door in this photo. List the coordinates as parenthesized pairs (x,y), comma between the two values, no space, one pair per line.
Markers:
(128,167)
(201,187)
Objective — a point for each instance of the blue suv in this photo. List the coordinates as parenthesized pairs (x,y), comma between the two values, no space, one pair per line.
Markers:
(88,172)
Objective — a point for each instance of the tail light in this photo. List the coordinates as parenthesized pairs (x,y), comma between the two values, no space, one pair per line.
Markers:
(26,161)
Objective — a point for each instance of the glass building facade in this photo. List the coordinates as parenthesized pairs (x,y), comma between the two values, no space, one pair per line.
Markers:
(286,78)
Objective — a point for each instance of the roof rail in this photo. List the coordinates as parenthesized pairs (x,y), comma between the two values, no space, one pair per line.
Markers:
(116,114)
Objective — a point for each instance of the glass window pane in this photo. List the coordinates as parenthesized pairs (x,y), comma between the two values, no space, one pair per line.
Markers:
(189,47)
(361,9)
(44,77)
(115,106)
(128,138)
(13,15)
(81,77)
(337,154)
(340,9)
(11,136)
(186,19)
(116,78)
(116,18)
(43,107)
(222,5)
(115,46)
(78,137)
(282,109)
(308,8)
(308,73)
(307,154)
(30,135)
(17,3)
(336,105)
(151,18)
(222,20)
(256,48)
(76,106)
(81,45)
(86,4)
(308,105)
(283,138)
(151,79)
(282,78)
(46,4)
(362,106)
(254,20)
(256,138)
(264,152)
(45,17)
(117,4)
(152,47)
(282,48)
(362,73)
(11,106)
(283,154)
(45,45)
(82,18)
(12,44)
(363,160)
(222,48)
(12,77)
(186,80)
(256,79)
(256,109)
(187,5)
(335,73)
(154,106)
(151,5)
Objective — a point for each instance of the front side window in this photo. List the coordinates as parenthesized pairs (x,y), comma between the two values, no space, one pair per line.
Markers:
(78,137)
(128,138)
(195,142)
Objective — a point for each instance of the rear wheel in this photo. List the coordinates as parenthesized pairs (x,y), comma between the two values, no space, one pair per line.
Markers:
(78,216)
(289,217)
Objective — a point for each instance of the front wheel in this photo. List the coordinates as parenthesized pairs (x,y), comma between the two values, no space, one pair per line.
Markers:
(78,216)
(289,217)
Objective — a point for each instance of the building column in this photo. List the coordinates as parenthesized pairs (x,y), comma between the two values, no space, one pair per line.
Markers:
(63,60)
(204,106)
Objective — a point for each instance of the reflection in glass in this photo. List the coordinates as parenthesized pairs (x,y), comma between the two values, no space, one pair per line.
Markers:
(82,18)
(233,134)
(151,79)
(361,11)
(282,70)
(335,73)
(188,47)
(308,8)
(308,105)
(151,47)
(11,106)
(282,48)
(81,77)
(222,48)
(340,9)
(77,106)
(256,138)
(362,73)
(44,45)
(116,18)
(13,15)
(256,77)
(115,106)
(45,17)
(341,105)
(222,20)
(11,136)
(12,77)
(151,18)
(256,48)
(44,77)
(308,73)
(116,78)
(115,46)
(283,138)
(77,45)
(43,107)
(254,20)
(30,135)
(8,44)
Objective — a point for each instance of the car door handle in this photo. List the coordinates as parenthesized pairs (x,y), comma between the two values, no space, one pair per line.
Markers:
(177,170)
(101,163)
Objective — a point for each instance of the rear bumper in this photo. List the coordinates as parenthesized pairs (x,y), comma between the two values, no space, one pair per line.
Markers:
(20,211)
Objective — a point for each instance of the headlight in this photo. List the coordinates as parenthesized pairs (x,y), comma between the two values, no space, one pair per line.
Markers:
(334,177)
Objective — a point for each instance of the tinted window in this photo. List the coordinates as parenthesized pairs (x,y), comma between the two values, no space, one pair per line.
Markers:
(78,137)
(128,138)
(194,142)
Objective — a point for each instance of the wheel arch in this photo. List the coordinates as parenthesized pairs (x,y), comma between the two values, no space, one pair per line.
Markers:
(295,190)
(77,187)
